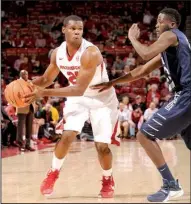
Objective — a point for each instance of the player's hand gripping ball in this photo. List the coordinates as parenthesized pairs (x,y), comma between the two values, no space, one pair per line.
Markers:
(15,91)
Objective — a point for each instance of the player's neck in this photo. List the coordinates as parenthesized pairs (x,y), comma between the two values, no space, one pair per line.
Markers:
(71,49)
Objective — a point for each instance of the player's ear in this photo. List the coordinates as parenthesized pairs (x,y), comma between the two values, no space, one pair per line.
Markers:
(63,29)
(173,25)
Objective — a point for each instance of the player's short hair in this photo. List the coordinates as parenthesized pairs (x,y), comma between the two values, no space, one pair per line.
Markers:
(73,18)
(173,15)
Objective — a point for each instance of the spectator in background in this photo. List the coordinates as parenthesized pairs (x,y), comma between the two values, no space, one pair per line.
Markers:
(164,90)
(156,101)
(126,69)
(128,106)
(17,42)
(25,121)
(104,33)
(126,17)
(57,25)
(54,99)
(37,121)
(29,42)
(55,35)
(130,60)
(11,111)
(37,67)
(155,73)
(47,130)
(40,41)
(113,74)
(33,59)
(152,36)
(26,65)
(7,129)
(152,93)
(124,116)
(46,25)
(119,64)
(6,43)
(87,133)
(54,113)
(94,30)
(139,103)
(136,120)
(18,62)
(147,17)
(164,100)
(150,111)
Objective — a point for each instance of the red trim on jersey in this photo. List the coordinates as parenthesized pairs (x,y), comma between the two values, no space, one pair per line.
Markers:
(101,69)
(68,56)
(113,140)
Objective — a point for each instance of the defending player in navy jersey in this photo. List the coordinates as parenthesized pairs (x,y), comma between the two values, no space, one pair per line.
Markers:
(172,51)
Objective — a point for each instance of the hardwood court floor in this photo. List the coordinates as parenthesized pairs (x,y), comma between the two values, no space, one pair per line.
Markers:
(135,175)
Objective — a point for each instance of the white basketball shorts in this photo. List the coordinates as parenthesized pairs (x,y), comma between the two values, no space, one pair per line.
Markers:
(102,111)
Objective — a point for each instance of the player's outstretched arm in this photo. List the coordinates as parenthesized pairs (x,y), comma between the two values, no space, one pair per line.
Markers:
(135,74)
(165,40)
(90,59)
(49,75)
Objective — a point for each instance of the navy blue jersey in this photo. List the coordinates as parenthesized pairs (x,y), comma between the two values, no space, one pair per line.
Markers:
(177,63)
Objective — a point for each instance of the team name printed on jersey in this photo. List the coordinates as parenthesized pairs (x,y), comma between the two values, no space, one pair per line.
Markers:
(71,66)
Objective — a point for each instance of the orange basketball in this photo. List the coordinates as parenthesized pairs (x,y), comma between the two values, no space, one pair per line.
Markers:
(15,91)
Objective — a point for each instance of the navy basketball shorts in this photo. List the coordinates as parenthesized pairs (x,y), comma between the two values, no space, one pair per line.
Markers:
(174,117)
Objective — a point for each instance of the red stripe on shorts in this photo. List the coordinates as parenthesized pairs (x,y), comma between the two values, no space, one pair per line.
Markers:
(113,140)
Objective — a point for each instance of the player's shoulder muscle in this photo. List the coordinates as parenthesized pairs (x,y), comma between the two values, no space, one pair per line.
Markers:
(92,56)
(169,37)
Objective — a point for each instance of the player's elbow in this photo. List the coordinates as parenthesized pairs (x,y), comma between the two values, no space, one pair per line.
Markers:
(80,92)
(146,56)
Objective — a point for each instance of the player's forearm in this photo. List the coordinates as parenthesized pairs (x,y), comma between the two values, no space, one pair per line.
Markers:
(141,49)
(41,82)
(64,92)
(137,73)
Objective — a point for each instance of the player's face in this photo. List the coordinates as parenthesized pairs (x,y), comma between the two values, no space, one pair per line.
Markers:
(163,24)
(73,32)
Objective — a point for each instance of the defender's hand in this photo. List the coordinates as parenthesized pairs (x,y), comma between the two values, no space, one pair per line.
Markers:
(134,31)
(103,86)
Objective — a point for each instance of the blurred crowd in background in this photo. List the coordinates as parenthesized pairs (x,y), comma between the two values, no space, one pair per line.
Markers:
(32,29)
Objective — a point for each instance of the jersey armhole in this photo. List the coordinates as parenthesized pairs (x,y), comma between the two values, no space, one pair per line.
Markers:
(177,43)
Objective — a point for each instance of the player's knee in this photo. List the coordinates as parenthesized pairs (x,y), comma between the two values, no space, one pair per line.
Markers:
(102,148)
(68,137)
(143,138)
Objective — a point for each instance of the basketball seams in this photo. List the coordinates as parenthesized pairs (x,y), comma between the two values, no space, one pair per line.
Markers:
(15,90)
(21,86)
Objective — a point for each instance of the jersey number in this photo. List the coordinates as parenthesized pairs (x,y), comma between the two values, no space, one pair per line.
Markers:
(72,77)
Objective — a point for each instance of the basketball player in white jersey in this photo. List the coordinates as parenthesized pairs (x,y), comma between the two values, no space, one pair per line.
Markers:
(82,63)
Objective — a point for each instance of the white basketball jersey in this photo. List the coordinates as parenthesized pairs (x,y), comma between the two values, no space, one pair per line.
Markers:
(71,66)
